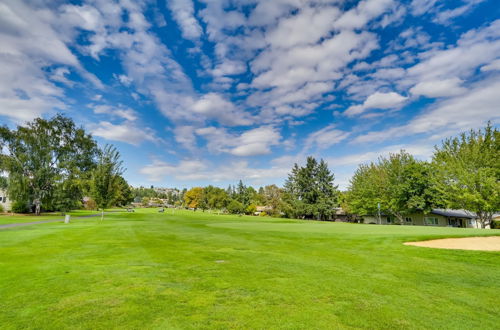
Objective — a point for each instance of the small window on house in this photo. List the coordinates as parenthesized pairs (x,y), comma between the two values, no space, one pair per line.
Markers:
(408,219)
(432,221)
(3,199)
(389,220)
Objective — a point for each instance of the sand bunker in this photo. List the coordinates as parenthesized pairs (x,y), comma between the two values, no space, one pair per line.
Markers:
(491,243)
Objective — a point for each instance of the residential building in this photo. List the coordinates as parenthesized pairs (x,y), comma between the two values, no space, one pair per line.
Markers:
(437,217)
(5,201)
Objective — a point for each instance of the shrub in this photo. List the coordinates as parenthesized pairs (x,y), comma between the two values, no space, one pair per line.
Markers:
(20,207)
(2,210)
(263,214)
(235,207)
(251,209)
(495,224)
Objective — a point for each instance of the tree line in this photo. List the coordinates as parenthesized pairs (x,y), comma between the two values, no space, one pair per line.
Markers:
(51,164)
(463,173)
(309,193)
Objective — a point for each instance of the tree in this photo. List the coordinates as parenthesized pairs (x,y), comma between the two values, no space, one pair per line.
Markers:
(193,198)
(105,178)
(215,198)
(466,172)
(235,207)
(67,195)
(310,192)
(230,191)
(399,184)
(4,183)
(328,195)
(272,198)
(364,195)
(242,194)
(42,156)
(124,195)
(251,209)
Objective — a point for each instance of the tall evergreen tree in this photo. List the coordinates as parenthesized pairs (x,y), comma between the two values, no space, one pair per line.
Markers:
(310,192)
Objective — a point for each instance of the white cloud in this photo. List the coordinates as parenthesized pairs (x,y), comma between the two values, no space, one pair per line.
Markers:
(445,16)
(474,49)
(253,142)
(59,75)
(228,68)
(183,13)
(21,110)
(462,112)
(306,27)
(120,112)
(365,11)
(257,141)
(493,66)
(124,79)
(158,169)
(126,132)
(439,88)
(377,100)
(320,62)
(420,7)
(214,106)
(420,150)
(185,136)
(196,170)
(34,54)
(325,137)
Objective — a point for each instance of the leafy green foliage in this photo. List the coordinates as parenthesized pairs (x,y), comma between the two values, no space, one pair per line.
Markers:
(310,192)
(399,184)
(215,198)
(235,207)
(19,207)
(43,156)
(251,209)
(124,195)
(3,181)
(105,177)
(272,197)
(466,172)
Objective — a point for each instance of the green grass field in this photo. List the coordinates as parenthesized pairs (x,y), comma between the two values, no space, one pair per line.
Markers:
(148,270)
(21,218)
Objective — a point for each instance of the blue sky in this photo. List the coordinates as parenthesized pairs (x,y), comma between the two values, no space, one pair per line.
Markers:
(214,91)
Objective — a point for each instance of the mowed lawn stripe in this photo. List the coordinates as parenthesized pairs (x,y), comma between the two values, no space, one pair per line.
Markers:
(199,270)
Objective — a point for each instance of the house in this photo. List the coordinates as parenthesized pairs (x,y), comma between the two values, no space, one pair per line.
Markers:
(262,208)
(340,215)
(5,201)
(437,217)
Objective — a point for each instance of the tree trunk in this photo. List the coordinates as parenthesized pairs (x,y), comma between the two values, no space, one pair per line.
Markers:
(400,218)
(102,214)
(485,218)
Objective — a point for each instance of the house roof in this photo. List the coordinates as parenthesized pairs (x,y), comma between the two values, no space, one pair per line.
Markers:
(454,213)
